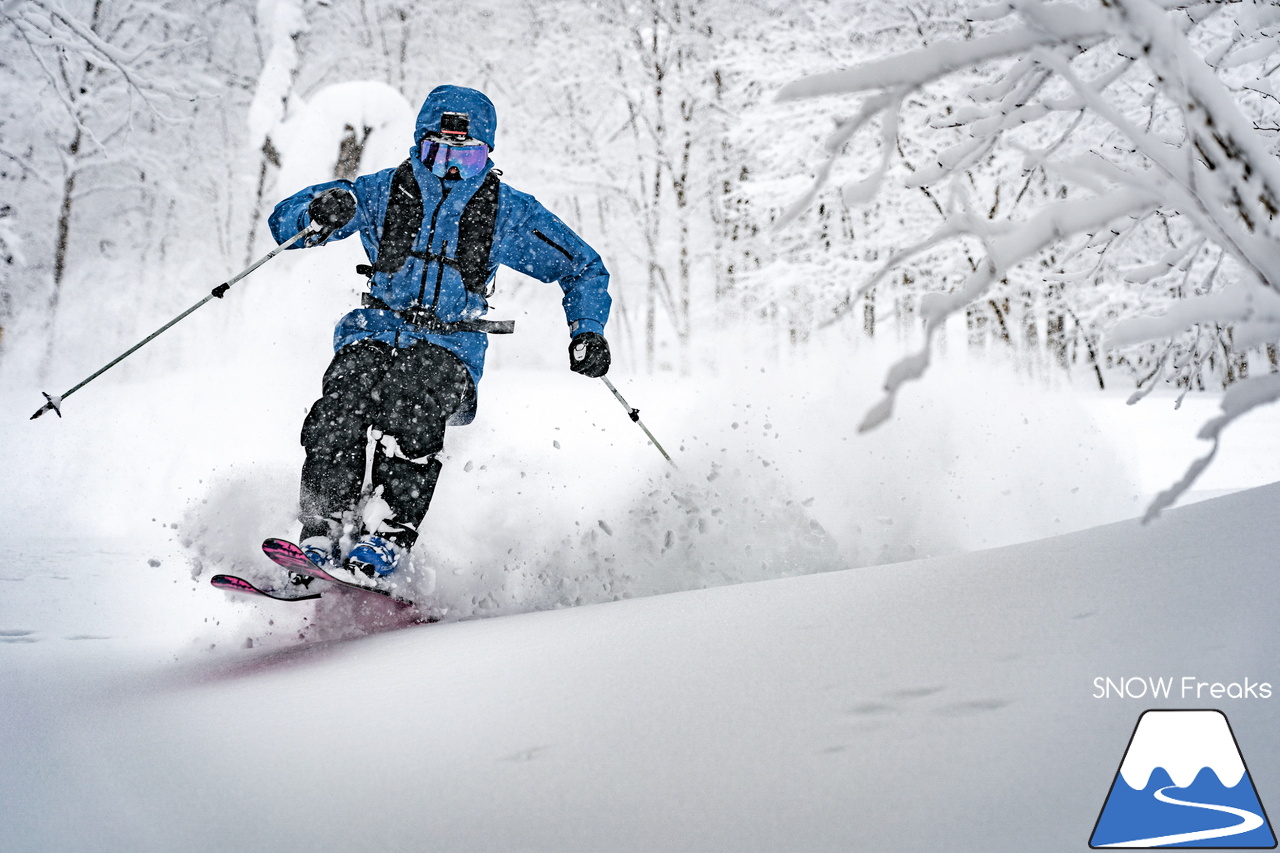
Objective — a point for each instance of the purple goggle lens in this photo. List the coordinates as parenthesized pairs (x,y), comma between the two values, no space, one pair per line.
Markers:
(440,156)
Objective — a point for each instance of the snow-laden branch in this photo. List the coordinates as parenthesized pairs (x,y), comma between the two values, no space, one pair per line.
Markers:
(916,68)
(1242,304)
(1147,112)
(1246,172)
(1223,136)
(1238,400)
(1006,248)
(888,103)
(41,17)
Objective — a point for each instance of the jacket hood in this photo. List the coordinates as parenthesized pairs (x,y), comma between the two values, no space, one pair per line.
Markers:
(458,99)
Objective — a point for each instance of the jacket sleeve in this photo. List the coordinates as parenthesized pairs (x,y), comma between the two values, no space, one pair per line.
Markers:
(290,215)
(534,241)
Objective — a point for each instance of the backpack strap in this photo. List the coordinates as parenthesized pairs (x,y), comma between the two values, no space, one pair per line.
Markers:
(475,235)
(400,224)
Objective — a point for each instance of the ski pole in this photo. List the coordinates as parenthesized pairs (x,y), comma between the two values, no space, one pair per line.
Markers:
(55,403)
(634,414)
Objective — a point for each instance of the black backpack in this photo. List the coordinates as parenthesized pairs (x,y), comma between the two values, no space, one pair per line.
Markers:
(403,221)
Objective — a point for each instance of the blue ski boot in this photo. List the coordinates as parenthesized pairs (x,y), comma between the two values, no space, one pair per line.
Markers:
(376,557)
(322,551)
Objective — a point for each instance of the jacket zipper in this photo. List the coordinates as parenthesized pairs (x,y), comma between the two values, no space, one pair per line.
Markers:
(431,239)
(435,299)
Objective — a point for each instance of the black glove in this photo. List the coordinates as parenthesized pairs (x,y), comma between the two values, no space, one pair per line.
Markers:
(333,208)
(589,355)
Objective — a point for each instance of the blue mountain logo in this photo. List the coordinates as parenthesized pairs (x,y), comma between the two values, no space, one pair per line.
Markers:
(1183,783)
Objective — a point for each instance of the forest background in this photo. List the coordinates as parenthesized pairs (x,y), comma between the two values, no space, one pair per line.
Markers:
(1015,178)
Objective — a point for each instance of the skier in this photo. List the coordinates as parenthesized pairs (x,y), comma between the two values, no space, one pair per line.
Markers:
(407,363)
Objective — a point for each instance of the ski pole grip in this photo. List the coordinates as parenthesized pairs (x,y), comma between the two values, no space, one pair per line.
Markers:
(319,233)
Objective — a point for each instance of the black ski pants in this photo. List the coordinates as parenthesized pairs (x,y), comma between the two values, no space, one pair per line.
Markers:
(407,395)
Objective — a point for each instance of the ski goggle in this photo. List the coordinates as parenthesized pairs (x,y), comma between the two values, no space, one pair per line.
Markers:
(440,156)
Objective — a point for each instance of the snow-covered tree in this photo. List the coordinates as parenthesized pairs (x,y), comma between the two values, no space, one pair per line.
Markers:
(1118,158)
(281,25)
(786,277)
(640,117)
(89,89)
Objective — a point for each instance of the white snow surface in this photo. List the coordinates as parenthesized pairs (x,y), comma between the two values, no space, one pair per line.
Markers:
(937,704)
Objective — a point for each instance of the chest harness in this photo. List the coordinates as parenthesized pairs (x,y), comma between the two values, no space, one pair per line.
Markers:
(400,226)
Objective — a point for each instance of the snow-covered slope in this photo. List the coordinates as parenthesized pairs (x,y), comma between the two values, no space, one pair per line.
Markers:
(939,704)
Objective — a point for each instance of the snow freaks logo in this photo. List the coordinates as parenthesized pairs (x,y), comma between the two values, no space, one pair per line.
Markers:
(1183,783)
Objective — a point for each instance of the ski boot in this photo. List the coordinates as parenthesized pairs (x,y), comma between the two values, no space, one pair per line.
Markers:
(322,551)
(374,557)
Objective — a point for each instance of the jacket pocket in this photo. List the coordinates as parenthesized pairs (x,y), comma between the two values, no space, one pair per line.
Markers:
(553,244)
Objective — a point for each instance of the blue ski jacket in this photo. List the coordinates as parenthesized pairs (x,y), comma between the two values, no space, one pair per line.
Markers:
(527,237)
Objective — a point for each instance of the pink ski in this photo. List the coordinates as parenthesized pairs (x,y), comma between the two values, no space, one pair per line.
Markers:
(231,583)
(289,556)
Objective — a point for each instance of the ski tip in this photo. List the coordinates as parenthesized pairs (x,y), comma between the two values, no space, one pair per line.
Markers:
(282,549)
(231,583)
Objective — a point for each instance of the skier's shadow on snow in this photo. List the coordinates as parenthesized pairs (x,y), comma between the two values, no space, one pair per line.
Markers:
(248,663)
(222,666)
(336,623)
